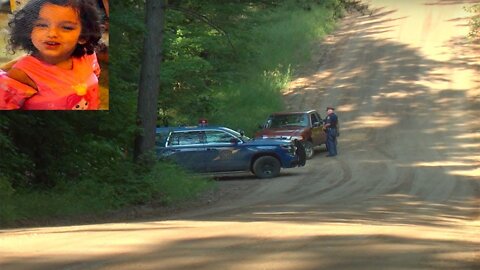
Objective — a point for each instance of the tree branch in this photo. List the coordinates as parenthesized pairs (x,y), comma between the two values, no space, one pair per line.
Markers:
(204,19)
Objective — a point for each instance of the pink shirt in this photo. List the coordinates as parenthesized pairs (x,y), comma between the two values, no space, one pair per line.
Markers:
(57,88)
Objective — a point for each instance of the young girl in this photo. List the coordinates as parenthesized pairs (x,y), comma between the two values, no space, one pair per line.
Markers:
(61,70)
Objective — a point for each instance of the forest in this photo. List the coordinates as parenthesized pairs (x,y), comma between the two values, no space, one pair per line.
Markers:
(226,62)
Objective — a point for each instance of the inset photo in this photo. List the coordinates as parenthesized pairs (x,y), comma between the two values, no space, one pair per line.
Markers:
(54,54)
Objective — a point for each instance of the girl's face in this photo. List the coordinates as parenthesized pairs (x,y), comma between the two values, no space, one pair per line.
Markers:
(56,33)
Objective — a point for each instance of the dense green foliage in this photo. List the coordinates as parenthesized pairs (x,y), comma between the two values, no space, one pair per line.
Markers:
(224,61)
(91,196)
(219,56)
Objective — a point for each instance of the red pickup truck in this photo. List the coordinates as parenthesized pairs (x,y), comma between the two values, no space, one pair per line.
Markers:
(304,126)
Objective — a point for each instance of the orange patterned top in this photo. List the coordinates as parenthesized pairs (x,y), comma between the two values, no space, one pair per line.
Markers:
(57,88)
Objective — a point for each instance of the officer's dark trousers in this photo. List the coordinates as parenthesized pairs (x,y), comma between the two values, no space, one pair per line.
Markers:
(332,141)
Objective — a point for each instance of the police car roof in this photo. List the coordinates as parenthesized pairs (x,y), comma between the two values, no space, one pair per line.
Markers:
(188,128)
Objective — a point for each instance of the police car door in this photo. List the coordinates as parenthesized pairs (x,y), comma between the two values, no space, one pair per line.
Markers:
(224,152)
(187,149)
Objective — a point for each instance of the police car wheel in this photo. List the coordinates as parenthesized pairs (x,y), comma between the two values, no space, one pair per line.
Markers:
(266,167)
(309,151)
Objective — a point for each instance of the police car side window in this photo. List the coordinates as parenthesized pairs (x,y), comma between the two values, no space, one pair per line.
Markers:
(159,139)
(218,137)
(185,138)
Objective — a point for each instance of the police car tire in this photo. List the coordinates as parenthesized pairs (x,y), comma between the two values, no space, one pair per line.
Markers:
(266,167)
(309,151)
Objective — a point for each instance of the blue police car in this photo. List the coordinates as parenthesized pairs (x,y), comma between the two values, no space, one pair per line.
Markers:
(214,149)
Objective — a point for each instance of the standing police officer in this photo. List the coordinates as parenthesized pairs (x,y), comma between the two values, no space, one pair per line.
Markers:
(330,127)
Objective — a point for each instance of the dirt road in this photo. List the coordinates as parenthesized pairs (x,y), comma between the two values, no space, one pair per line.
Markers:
(404,192)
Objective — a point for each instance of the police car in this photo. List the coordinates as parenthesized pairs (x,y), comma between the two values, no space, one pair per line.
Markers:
(216,149)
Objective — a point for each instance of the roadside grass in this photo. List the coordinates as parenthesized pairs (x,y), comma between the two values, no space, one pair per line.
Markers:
(280,42)
(165,184)
(176,185)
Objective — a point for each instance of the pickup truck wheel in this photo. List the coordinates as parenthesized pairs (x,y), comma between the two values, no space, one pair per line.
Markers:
(300,152)
(266,167)
(309,149)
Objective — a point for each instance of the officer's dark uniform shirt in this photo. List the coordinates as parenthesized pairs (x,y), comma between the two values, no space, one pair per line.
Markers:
(332,120)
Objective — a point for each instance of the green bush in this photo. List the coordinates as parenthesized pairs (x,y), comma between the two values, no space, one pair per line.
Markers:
(7,210)
(174,184)
(165,183)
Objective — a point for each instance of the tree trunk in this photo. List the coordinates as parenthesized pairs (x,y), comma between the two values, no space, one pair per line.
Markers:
(149,79)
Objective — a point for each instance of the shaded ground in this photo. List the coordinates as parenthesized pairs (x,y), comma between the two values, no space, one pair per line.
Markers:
(404,192)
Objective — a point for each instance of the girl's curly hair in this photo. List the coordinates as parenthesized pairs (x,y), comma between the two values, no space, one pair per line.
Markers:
(21,25)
